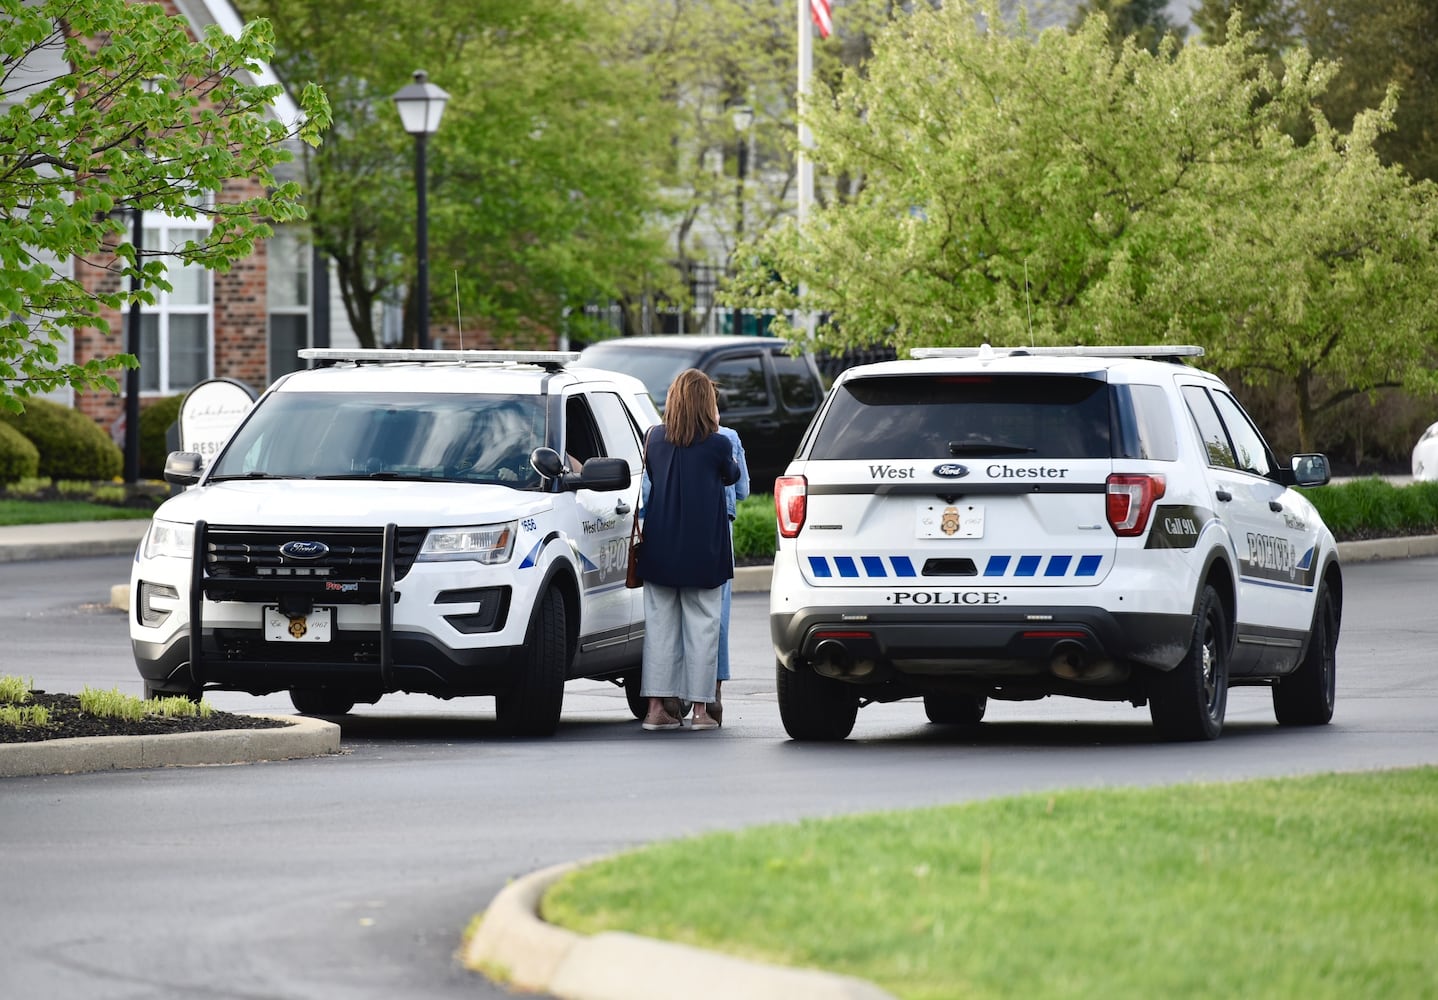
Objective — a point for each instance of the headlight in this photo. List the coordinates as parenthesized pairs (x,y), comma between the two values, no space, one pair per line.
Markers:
(486,543)
(170,538)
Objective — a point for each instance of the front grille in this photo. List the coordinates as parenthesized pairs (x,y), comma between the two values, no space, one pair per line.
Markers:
(351,555)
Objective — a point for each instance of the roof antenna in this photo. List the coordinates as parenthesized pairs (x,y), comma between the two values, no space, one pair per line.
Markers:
(458,319)
(1028,302)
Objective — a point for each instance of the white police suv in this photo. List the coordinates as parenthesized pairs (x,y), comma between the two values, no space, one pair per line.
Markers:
(1104,523)
(446,522)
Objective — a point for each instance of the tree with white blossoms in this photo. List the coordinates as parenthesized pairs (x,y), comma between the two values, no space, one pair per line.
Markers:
(135,115)
(1046,189)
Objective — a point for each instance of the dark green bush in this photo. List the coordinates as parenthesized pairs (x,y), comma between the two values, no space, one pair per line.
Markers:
(19,459)
(155,421)
(754,528)
(71,445)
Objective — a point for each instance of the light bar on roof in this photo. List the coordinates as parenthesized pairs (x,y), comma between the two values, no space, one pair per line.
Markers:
(377,354)
(1074,351)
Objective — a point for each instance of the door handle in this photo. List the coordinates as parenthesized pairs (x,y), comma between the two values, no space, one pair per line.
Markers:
(1275,506)
(1223,495)
(621,508)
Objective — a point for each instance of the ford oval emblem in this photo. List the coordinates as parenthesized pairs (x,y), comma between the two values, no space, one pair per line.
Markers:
(951,470)
(304,550)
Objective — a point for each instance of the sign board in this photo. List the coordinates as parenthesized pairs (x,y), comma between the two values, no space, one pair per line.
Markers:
(209,414)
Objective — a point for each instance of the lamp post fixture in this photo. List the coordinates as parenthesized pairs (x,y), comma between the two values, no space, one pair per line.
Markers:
(743,116)
(420,106)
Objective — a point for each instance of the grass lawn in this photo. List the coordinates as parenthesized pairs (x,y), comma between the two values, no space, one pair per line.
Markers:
(1311,887)
(57,511)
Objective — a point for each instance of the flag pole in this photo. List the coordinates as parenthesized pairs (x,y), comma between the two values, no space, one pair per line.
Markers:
(805,167)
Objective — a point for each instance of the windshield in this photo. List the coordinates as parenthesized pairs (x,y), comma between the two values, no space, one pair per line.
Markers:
(655,368)
(426,436)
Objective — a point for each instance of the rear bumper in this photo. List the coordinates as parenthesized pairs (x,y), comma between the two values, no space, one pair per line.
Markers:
(862,645)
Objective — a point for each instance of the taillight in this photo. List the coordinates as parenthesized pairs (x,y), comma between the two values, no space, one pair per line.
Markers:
(1130,500)
(791,497)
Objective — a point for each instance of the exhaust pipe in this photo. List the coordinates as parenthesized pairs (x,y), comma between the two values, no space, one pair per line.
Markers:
(831,658)
(1068,660)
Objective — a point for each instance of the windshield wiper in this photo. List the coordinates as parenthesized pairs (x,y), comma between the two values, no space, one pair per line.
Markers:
(412,477)
(247,475)
(987,448)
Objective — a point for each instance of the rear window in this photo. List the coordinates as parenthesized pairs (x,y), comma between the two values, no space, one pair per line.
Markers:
(945,416)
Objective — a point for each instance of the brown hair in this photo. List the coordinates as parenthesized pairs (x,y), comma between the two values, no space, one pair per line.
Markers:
(691,408)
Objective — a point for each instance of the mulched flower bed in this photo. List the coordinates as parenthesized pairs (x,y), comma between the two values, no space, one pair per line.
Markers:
(67,721)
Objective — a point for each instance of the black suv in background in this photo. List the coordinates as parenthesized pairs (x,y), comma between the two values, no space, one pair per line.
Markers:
(766,394)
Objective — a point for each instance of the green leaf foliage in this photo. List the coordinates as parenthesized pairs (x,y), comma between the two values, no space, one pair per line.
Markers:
(123,110)
(1020,187)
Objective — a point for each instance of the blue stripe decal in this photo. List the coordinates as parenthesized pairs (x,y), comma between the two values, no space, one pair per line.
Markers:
(1067,565)
(532,557)
(998,566)
(1307,561)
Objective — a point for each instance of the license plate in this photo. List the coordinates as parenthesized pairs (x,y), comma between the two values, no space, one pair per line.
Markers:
(313,627)
(955,520)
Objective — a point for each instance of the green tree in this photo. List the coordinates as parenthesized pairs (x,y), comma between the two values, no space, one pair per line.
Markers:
(1045,189)
(1375,43)
(1145,21)
(134,116)
(542,178)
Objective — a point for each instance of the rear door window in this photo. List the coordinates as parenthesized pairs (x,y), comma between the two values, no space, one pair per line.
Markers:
(947,416)
(796,382)
(742,385)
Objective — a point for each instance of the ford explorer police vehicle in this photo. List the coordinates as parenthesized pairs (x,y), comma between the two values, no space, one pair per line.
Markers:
(1104,523)
(446,522)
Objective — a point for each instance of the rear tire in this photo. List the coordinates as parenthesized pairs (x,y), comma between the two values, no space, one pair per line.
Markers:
(955,709)
(1305,697)
(638,704)
(1189,701)
(321,702)
(533,705)
(813,707)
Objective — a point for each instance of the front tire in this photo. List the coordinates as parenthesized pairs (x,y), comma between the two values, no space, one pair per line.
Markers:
(955,709)
(320,702)
(1306,696)
(533,705)
(1189,701)
(813,707)
(638,704)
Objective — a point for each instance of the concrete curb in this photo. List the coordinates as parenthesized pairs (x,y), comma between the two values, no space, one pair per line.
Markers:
(515,947)
(301,737)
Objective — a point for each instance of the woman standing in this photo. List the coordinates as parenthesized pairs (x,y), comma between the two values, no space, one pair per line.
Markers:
(687,556)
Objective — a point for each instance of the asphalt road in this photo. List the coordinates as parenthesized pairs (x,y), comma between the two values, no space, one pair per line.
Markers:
(353,877)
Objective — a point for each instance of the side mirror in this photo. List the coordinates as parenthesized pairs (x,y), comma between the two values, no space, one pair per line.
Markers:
(605,474)
(1311,470)
(547,463)
(183,468)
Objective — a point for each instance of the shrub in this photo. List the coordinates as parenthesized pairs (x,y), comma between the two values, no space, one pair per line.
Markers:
(155,420)
(754,527)
(19,458)
(70,444)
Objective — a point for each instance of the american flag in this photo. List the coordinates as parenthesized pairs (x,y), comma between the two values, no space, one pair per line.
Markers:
(822,19)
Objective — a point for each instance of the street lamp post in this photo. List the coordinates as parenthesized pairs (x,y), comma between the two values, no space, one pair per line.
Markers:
(743,117)
(420,106)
